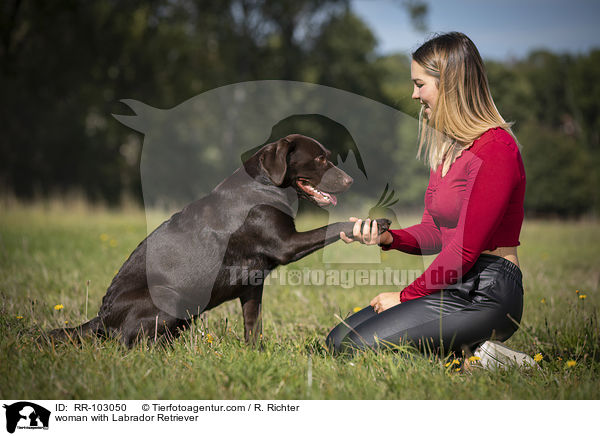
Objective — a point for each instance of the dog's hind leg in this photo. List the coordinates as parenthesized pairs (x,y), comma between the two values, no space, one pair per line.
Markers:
(153,328)
(251,307)
(92,327)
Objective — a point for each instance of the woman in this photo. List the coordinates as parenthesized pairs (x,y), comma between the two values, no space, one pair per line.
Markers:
(472,292)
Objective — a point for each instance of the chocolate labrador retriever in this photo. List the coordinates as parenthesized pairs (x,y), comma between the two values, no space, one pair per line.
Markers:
(221,247)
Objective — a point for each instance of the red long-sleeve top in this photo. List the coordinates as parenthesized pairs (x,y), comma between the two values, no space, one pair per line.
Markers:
(476,206)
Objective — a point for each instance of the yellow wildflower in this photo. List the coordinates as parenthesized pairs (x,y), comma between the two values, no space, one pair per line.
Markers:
(356,309)
(209,338)
(59,307)
(66,322)
(571,363)
(113,243)
(538,357)
(474,358)
(454,362)
(457,369)
(577,291)
(103,237)
(19,317)
(582,297)
(543,301)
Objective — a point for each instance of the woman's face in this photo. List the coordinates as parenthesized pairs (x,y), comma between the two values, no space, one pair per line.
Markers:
(425,89)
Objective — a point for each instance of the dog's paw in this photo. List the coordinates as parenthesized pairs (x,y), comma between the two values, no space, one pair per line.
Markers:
(383,225)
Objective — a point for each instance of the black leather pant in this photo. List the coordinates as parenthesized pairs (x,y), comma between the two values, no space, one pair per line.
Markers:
(478,308)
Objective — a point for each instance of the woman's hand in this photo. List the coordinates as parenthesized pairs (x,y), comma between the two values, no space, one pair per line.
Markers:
(385,300)
(366,233)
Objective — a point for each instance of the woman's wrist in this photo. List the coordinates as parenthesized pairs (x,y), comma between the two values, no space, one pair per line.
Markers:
(386,238)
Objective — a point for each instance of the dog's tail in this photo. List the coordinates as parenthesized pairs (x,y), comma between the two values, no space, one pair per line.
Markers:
(94,326)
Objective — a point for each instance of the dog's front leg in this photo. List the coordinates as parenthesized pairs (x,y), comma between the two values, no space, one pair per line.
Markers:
(283,244)
(302,244)
(251,308)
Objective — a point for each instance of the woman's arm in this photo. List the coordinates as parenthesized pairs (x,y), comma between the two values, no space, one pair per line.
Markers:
(423,238)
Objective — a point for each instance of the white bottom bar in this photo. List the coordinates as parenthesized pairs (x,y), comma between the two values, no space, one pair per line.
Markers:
(300,417)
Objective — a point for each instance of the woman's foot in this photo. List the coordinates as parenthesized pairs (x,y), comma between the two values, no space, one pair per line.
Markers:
(494,354)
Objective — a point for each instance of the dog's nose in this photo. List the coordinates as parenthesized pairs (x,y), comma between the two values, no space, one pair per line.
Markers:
(347,180)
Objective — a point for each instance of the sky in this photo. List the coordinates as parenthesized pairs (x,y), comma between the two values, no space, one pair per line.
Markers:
(501,30)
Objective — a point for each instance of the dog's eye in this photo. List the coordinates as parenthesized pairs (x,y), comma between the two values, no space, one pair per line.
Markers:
(321,159)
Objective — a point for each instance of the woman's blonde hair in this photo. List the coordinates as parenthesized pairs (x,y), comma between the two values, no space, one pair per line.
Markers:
(465,108)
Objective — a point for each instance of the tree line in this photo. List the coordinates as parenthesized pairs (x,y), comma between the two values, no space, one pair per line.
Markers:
(65,65)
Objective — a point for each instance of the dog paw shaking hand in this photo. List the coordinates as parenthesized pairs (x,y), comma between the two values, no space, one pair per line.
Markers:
(368,232)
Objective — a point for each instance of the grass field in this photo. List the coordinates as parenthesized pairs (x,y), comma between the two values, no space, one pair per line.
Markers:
(52,256)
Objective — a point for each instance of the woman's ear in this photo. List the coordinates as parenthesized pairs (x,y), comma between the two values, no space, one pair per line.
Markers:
(273,160)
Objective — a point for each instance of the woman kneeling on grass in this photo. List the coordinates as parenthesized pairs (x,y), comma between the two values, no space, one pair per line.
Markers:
(472,292)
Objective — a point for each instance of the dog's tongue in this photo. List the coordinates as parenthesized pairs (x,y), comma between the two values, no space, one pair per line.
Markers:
(332,199)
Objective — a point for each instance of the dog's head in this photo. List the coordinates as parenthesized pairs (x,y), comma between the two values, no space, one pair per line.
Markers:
(303,163)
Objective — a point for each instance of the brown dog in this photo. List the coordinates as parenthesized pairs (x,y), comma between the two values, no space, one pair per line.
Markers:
(218,248)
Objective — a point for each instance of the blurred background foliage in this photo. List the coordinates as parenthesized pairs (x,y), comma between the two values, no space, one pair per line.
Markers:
(65,65)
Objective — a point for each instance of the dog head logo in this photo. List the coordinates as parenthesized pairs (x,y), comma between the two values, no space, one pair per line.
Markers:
(190,149)
(26,415)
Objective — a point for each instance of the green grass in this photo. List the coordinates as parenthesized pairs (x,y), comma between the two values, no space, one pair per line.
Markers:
(56,254)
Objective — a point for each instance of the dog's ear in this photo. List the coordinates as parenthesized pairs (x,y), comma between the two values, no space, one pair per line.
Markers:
(273,160)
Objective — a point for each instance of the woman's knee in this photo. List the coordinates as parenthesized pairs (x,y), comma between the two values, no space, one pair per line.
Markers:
(335,337)
(350,343)
(341,332)
(342,340)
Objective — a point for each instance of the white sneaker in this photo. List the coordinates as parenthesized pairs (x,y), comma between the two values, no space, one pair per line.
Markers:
(494,355)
